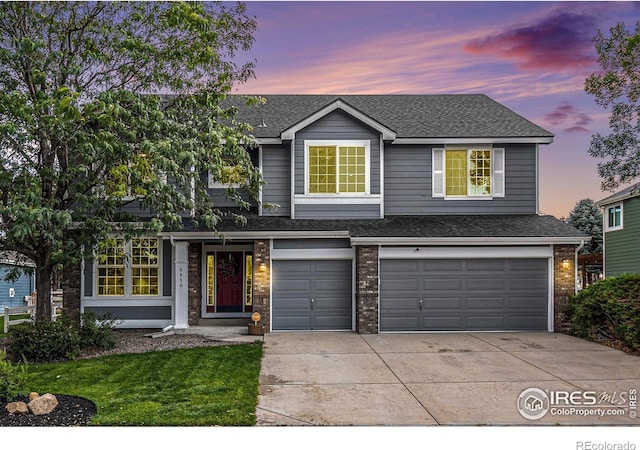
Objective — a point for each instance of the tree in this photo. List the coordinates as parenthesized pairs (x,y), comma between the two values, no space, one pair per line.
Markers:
(107,103)
(618,90)
(586,217)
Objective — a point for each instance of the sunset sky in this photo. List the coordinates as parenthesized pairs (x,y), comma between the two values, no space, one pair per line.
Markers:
(531,56)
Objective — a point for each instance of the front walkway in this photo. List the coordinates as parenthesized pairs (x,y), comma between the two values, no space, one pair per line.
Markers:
(316,378)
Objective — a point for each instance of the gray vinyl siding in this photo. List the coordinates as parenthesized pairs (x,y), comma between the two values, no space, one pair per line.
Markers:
(276,171)
(408,189)
(297,244)
(622,247)
(336,126)
(333,211)
(133,312)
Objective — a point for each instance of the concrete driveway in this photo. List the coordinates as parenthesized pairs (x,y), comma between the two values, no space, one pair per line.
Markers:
(327,378)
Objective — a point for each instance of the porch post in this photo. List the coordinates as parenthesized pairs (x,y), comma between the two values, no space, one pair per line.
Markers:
(182,286)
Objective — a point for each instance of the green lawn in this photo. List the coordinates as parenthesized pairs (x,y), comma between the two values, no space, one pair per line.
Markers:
(187,387)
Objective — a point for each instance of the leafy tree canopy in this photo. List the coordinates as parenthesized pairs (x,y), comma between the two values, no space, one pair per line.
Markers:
(587,217)
(105,103)
(617,88)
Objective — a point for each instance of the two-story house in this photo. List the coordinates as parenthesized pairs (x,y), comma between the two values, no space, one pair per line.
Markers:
(395,213)
(621,231)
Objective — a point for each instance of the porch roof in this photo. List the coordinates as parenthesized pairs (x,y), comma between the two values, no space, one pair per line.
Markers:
(479,229)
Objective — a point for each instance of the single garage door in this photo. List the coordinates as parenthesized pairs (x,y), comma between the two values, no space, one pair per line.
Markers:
(464,295)
(311,295)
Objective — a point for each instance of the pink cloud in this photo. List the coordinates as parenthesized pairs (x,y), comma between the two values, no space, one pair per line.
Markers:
(558,42)
(568,117)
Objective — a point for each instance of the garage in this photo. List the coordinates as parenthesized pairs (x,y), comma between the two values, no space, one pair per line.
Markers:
(500,294)
(311,295)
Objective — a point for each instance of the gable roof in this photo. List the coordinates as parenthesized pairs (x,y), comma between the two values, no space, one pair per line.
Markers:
(409,117)
(629,192)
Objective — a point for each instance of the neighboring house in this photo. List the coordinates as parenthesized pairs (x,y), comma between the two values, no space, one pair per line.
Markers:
(621,242)
(396,213)
(13,293)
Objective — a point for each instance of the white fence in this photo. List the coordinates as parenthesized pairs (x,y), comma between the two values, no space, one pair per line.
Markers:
(56,308)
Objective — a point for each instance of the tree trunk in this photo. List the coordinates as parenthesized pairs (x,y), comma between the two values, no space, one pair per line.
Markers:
(43,289)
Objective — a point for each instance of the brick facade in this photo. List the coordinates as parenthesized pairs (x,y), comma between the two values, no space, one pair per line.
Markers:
(195,282)
(367,289)
(564,285)
(71,290)
(262,281)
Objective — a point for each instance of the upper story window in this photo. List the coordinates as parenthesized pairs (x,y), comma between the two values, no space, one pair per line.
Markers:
(128,267)
(337,167)
(614,217)
(468,172)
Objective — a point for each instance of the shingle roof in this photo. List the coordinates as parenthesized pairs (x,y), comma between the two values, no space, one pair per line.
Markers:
(410,116)
(437,226)
(631,191)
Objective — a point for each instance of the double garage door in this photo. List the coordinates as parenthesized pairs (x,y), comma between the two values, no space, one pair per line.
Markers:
(311,295)
(464,294)
(503,294)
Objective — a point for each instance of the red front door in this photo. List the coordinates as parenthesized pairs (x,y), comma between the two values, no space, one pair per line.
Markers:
(229,286)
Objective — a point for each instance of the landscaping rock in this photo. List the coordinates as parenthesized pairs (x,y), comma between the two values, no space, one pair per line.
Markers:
(17,408)
(33,396)
(44,404)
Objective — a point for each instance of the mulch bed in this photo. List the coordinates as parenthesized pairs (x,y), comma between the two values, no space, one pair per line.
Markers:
(71,411)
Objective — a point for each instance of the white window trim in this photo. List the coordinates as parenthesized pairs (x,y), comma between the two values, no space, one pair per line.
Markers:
(607,227)
(438,181)
(128,270)
(339,143)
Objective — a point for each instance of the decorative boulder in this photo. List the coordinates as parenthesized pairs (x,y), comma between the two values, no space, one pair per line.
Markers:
(17,408)
(33,395)
(43,404)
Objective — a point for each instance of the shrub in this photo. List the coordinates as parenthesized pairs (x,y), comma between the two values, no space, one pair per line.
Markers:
(97,331)
(609,309)
(45,341)
(62,338)
(13,378)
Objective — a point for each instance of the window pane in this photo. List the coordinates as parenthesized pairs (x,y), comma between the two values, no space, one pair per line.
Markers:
(480,172)
(456,172)
(615,216)
(352,169)
(322,170)
(144,266)
(111,267)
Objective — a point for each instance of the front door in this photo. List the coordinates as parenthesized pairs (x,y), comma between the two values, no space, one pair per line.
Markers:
(229,282)
(230,286)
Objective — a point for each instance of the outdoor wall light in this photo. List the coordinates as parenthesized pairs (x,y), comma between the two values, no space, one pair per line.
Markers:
(565,263)
(263,267)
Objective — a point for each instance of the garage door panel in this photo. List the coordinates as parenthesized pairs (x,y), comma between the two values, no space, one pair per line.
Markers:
(449,323)
(442,302)
(485,303)
(473,294)
(312,295)
(526,302)
(445,266)
(446,284)
(525,322)
(484,284)
(485,323)
(485,265)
